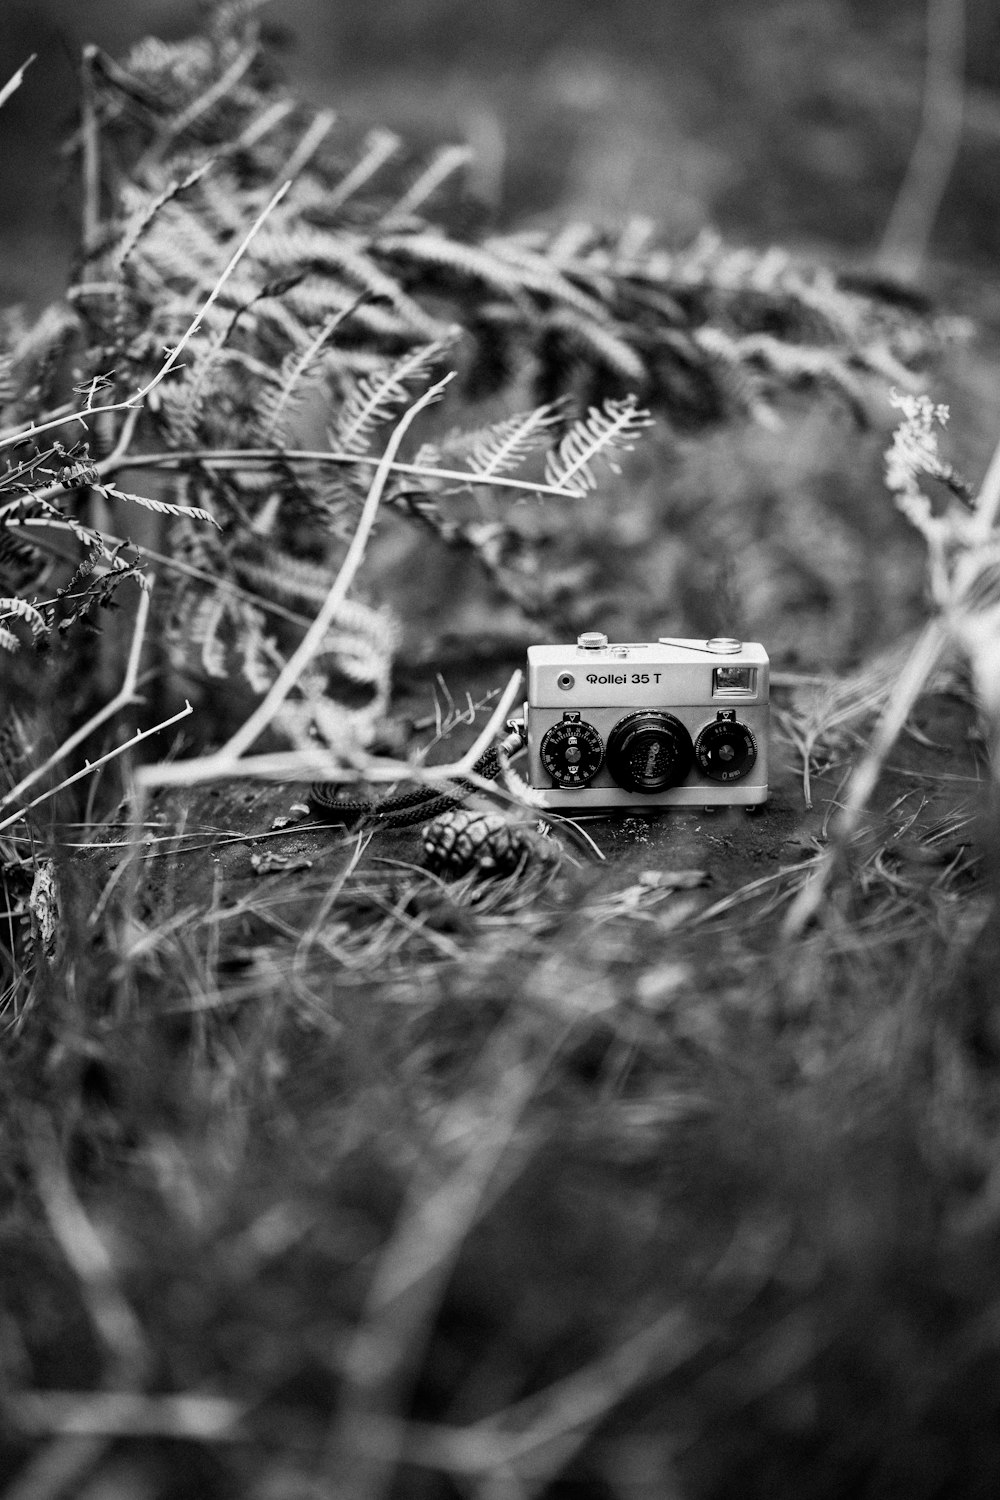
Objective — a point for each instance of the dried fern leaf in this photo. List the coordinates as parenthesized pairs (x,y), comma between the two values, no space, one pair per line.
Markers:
(602,341)
(20,609)
(163,507)
(444,164)
(204,628)
(294,370)
(282,246)
(375,399)
(601,434)
(504,446)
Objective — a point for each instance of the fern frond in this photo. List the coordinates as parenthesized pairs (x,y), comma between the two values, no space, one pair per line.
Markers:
(536,272)
(146,213)
(295,369)
(203,630)
(444,164)
(601,434)
(283,246)
(258,655)
(8,640)
(505,445)
(20,609)
(376,398)
(163,507)
(601,341)
(431,248)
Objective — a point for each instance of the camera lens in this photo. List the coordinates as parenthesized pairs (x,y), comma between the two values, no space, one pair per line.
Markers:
(726,750)
(649,751)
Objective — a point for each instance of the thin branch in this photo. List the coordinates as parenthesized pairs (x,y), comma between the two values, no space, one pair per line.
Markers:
(236,458)
(314,637)
(302,765)
(175,354)
(39,526)
(120,1414)
(95,765)
(16,79)
(126,695)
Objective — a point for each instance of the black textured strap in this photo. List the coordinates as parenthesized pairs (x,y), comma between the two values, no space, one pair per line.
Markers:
(410,807)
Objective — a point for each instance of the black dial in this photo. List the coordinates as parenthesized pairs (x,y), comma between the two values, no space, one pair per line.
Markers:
(572,751)
(726,750)
(649,751)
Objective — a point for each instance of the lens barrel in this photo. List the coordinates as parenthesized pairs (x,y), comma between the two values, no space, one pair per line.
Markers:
(649,751)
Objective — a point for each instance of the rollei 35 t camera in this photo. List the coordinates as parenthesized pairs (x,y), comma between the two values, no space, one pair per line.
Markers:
(667,723)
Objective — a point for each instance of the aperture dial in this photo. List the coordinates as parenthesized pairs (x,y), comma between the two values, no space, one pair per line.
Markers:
(726,749)
(649,751)
(572,751)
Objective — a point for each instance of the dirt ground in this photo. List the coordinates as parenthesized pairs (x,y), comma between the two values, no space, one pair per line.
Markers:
(219,846)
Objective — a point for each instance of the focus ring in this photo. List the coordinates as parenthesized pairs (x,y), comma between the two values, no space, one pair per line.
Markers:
(649,751)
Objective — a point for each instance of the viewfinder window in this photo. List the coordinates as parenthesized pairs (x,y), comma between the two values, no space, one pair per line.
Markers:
(734,682)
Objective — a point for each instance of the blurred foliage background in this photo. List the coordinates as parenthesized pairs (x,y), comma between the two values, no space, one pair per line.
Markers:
(790,120)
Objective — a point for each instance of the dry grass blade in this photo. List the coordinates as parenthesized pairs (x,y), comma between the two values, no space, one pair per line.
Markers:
(412,1273)
(920,665)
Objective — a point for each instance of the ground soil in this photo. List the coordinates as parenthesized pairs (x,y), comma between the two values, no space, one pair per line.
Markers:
(227,845)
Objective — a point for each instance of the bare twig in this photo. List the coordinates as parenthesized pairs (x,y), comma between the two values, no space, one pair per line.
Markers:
(314,637)
(102,760)
(907,234)
(119,1414)
(303,765)
(174,355)
(58,537)
(238,458)
(228,760)
(16,79)
(126,695)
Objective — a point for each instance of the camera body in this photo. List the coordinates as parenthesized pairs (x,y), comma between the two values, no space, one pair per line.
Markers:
(667,723)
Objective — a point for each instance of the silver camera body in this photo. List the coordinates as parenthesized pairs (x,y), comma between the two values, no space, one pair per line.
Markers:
(667,723)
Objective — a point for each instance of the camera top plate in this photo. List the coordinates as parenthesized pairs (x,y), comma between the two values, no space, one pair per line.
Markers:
(597,671)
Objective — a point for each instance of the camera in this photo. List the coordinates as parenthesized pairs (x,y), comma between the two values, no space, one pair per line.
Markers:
(666,723)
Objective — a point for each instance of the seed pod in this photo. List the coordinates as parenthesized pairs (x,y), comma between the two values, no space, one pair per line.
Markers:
(460,841)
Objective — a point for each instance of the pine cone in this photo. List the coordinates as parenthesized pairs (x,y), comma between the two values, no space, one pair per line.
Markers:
(460,841)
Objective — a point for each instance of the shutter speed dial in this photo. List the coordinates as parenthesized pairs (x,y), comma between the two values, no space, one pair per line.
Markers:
(572,751)
(726,750)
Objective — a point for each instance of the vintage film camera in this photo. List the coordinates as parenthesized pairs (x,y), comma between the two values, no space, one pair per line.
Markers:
(668,723)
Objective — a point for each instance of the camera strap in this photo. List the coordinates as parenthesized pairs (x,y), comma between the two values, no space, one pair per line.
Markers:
(410,807)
